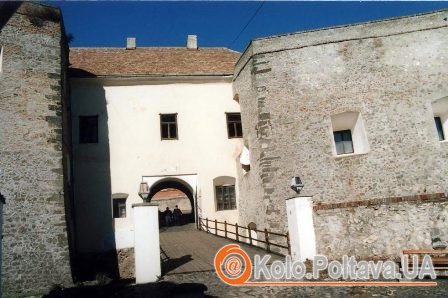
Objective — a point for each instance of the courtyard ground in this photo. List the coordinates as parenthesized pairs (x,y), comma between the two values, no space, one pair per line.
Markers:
(188,272)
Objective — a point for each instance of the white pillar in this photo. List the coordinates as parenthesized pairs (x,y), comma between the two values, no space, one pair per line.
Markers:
(301,228)
(146,242)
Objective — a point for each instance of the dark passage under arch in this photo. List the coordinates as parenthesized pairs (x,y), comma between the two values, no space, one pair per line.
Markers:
(175,184)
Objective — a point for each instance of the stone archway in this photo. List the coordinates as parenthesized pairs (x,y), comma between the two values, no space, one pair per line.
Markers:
(169,183)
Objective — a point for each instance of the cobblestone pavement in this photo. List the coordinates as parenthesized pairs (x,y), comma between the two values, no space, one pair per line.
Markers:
(201,247)
(190,250)
(189,273)
(219,289)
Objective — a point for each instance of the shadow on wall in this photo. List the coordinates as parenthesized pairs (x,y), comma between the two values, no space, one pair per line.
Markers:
(7,9)
(95,238)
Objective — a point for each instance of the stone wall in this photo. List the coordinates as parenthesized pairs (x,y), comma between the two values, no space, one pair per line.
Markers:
(382,230)
(32,142)
(126,263)
(252,204)
(291,85)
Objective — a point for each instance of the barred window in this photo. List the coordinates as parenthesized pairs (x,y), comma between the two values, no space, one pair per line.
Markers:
(234,128)
(225,197)
(168,126)
(88,129)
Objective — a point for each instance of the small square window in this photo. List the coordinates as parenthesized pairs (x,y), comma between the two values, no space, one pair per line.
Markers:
(1,59)
(234,128)
(168,126)
(225,197)
(88,129)
(119,208)
(439,127)
(343,141)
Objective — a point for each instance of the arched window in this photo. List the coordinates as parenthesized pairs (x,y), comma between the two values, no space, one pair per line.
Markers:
(349,135)
(225,196)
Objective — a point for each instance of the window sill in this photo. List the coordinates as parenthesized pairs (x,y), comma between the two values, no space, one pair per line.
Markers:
(443,142)
(341,156)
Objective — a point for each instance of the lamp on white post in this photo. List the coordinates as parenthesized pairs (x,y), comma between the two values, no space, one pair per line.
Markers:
(146,238)
(299,210)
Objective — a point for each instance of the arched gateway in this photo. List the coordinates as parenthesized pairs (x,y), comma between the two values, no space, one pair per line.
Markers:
(184,183)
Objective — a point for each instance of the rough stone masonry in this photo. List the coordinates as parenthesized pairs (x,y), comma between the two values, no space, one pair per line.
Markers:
(375,203)
(34,149)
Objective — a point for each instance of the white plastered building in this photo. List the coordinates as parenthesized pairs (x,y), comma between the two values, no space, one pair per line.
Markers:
(165,116)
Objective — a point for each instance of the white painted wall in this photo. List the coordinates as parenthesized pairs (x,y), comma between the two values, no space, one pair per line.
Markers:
(301,228)
(130,135)
(146,243)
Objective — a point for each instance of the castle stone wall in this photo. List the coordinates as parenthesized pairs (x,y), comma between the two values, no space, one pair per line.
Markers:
(289,88)
(35,245)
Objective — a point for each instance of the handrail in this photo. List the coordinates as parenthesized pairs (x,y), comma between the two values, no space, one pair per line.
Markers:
(209,226)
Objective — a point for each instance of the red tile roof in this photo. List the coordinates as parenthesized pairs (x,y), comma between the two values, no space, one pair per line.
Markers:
(151,61)
(168,193)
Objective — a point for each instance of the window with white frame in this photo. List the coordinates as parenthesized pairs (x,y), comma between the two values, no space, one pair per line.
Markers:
(343,141)
(349,135)
(440,110)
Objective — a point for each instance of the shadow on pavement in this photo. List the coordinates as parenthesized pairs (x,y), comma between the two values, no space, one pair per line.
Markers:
(171,264)
(125,289)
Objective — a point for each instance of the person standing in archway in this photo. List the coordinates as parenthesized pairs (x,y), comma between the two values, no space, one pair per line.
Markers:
(168,216)
(177,215)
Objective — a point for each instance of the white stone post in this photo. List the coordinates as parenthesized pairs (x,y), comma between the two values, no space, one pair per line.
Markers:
(146,242)
(301,228)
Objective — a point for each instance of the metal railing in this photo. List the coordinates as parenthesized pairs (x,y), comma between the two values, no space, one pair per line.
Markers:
(214,227)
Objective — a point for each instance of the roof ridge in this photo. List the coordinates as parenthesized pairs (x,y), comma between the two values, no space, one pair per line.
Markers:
(154,47)
(168,61)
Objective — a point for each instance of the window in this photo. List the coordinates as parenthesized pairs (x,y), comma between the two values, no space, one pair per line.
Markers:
(439,127)
(88,129)
(440,110)
(234,128)
(225,197)
(168,126)
(1,59)
(349,134)
(343,141)
(119,208)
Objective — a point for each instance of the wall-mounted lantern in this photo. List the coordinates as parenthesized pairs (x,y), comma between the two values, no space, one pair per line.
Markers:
(144,191)
(296,184)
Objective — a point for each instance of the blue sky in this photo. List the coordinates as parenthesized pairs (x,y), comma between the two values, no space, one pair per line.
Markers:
(107,24)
